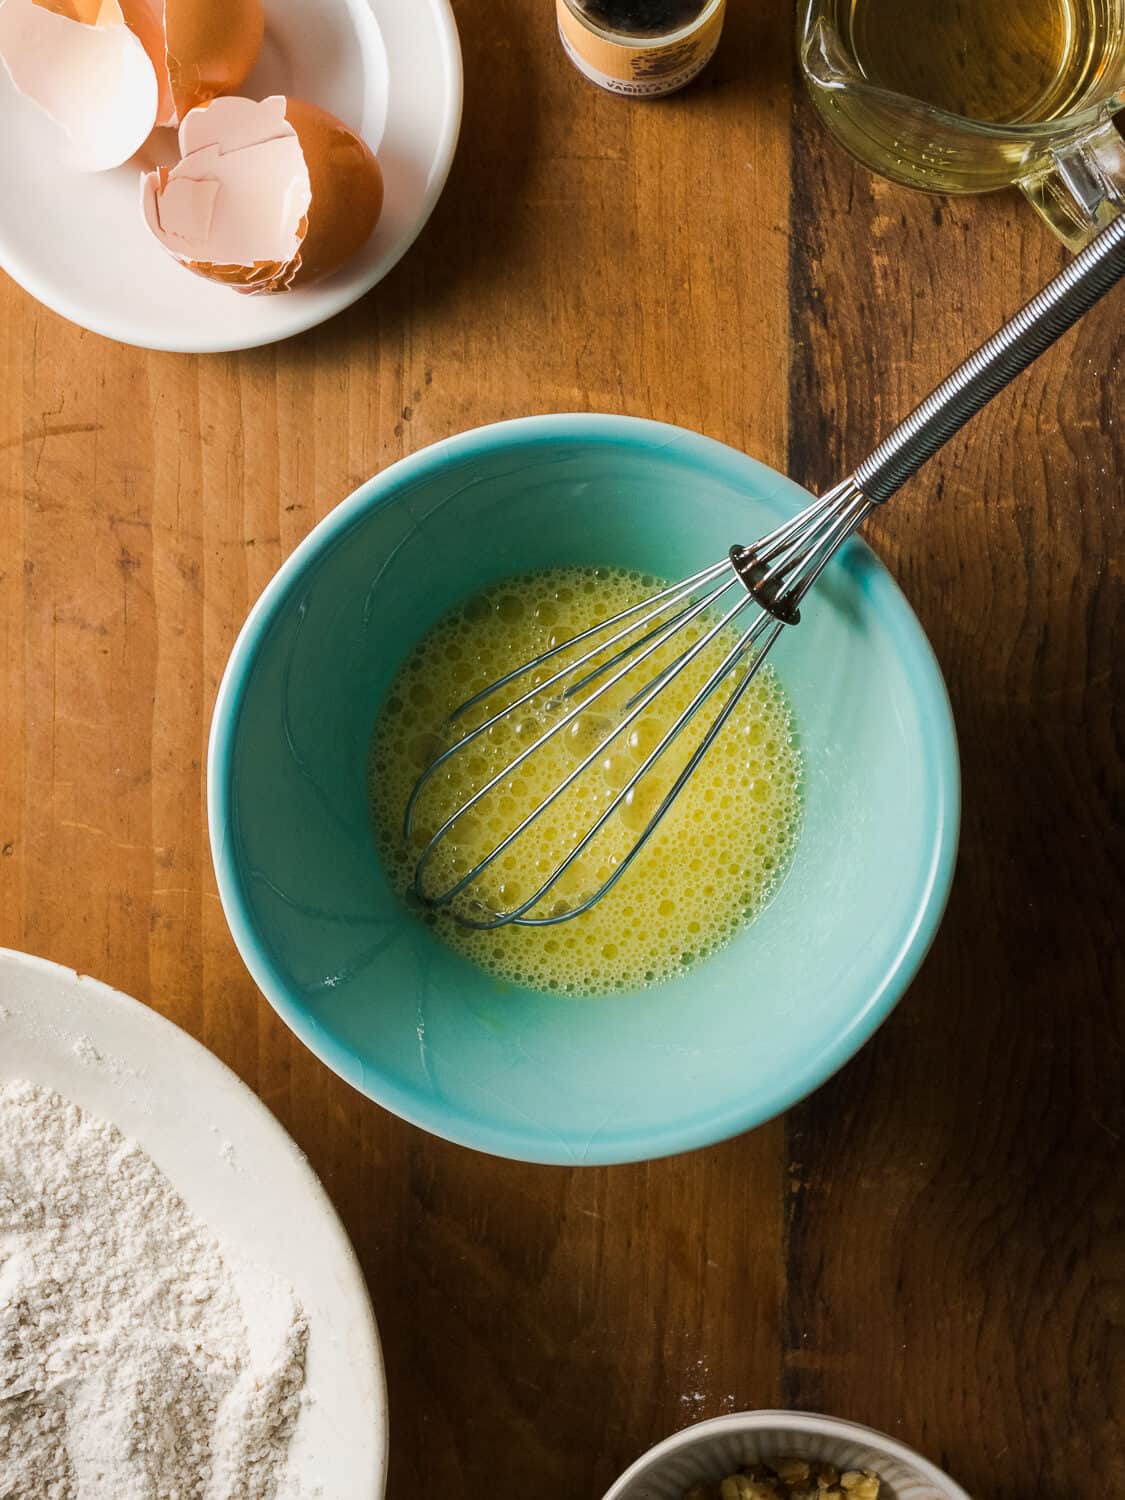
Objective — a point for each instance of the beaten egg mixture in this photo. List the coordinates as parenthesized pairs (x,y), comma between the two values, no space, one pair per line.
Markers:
(713,862)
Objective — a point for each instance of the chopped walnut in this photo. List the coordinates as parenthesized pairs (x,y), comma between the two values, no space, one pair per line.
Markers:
(860,1484)
(791,1479)
(792,1471)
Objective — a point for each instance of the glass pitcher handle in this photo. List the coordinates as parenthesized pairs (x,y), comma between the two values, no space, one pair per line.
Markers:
(1084,186)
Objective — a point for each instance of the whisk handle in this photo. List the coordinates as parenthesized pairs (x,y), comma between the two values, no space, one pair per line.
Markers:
(1008,352)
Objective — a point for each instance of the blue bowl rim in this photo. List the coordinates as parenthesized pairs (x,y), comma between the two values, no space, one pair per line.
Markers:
(434,1115)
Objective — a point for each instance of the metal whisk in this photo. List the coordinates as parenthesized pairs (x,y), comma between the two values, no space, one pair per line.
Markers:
(770,577)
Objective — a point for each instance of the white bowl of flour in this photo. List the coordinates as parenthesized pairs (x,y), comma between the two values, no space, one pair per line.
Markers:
(182,1316)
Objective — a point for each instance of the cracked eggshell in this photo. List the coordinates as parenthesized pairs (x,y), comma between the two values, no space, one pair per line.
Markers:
(80,63)
(346,185)
(198,48)
(266,195)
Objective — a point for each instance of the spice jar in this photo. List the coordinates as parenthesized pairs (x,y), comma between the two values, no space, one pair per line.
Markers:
(643,48)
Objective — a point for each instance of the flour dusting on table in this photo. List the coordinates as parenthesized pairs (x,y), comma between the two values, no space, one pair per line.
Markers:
(129,1369)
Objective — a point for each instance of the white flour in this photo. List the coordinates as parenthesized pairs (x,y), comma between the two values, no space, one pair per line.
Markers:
(128,1370)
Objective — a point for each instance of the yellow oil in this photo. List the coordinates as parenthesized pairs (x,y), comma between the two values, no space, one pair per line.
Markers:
(998,61)
(992,76)
(715,858)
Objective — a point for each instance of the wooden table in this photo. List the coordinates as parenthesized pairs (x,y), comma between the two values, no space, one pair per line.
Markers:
(935,1242)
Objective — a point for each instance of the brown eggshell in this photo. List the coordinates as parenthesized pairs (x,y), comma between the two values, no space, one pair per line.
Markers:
(267,194)
(199,48)
(212,45)
(347,189)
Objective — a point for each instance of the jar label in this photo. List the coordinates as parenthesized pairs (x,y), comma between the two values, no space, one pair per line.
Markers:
(639,69)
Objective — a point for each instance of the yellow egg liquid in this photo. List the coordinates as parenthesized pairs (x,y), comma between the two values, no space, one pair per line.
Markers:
(711,865)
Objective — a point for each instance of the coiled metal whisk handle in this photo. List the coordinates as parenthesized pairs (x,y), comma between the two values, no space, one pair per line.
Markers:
(1008,352)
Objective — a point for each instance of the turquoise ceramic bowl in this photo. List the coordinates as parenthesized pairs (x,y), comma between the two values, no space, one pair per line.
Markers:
(418,1028)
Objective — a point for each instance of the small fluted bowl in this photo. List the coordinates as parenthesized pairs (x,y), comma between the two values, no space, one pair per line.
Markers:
(710,1451)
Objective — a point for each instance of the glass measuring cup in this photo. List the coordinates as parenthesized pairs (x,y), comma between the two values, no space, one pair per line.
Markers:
(1058,143)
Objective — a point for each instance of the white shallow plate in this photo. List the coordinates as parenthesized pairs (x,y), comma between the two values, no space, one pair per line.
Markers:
(237,1170)
(391,69)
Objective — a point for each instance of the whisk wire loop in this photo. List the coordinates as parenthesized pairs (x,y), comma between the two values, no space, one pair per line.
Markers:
(732,659)
(537,691)
(450,894)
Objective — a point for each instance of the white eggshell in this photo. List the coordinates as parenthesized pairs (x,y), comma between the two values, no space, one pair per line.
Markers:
(94,81)
(240,191)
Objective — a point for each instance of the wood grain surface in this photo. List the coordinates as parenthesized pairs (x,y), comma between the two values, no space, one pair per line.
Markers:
(935,1242)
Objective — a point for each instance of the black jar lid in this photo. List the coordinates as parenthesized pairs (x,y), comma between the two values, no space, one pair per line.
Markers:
(642,17)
